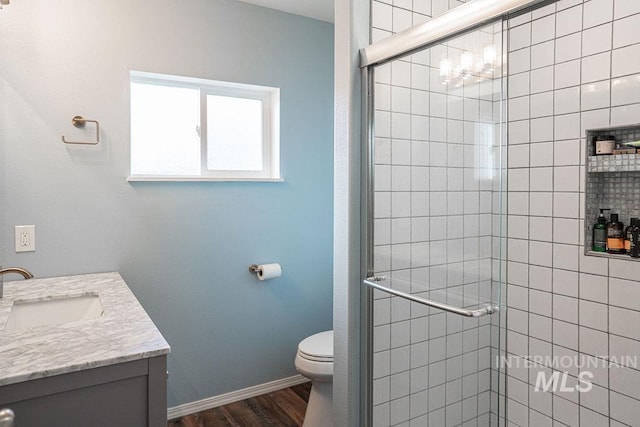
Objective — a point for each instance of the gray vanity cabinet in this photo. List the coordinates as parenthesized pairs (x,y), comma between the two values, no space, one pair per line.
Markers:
(129,394)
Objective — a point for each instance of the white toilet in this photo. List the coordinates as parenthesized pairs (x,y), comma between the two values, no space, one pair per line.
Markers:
(314,360)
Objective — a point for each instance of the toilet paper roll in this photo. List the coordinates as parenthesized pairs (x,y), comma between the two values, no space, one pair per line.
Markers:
(269,271)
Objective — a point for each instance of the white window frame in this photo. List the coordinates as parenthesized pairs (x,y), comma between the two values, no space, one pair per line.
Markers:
(270,98)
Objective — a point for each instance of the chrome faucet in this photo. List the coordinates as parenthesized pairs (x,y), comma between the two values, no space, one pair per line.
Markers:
(17,270)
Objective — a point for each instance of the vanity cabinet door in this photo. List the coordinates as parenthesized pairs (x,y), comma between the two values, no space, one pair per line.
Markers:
(126,394)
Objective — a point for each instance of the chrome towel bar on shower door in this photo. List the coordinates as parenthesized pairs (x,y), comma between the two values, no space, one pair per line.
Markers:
(375,282)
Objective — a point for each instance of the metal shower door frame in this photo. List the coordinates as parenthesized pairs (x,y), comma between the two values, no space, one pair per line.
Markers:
(455,22)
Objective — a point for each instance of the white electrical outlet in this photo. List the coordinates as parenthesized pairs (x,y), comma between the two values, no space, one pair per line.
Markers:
(25,238)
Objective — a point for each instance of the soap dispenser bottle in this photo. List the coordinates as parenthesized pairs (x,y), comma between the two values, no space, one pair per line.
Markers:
(599,237)
(615,236)
(627,235)
(634,247)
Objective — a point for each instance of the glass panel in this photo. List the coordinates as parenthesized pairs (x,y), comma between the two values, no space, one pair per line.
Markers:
(437,232)
(164,137)
(234,133)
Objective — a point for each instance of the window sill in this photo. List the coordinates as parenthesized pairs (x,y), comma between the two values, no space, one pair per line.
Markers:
(143,178)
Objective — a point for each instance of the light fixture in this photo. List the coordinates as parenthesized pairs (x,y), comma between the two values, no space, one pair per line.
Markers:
(466,64)
(489,58)
(470,64)
(3,3)
(445,71)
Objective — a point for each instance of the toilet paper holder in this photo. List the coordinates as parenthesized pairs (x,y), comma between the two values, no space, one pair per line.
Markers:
(254,268)
(266,271)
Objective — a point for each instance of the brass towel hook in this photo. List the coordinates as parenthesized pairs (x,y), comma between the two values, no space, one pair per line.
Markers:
(79,121)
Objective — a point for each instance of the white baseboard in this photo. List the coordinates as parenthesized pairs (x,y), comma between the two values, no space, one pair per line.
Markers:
(234,396)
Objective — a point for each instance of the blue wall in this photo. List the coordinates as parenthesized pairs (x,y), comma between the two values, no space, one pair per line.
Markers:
(183,248)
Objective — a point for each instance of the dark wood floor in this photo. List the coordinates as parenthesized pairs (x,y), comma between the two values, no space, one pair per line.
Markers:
(283,408)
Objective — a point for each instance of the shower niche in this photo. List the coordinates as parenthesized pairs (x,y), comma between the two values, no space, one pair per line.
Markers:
(612,181)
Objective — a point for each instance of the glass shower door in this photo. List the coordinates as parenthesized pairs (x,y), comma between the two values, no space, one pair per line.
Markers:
(435,260)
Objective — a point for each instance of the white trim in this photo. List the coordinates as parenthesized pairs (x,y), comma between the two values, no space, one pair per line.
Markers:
(270,137)
(200,178)
(174,80)
(234,396)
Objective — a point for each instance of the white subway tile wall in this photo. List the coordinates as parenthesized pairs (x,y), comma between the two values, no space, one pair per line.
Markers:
(573,65)
(577,65)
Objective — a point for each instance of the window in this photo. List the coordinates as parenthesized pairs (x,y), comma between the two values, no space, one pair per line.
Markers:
(194,129)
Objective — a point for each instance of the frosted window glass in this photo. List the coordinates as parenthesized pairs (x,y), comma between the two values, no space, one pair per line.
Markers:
(164,130)
(234,133)
(188,129)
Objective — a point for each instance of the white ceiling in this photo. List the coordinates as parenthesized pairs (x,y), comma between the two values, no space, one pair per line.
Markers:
(316,9)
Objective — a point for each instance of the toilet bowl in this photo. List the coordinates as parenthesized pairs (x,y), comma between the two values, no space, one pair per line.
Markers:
(314,360)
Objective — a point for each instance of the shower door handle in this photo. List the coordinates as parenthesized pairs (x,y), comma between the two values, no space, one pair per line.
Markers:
(375,282)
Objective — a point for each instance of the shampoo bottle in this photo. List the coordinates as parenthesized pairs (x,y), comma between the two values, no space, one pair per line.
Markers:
(615,236)
(599,239)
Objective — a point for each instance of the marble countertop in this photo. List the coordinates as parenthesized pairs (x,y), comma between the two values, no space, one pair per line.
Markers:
(123,333)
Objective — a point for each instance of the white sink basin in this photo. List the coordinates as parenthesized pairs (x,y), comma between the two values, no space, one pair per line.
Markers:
(29,314)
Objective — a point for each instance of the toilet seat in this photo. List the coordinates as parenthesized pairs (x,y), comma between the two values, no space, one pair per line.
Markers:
(314,360)
(318,347)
